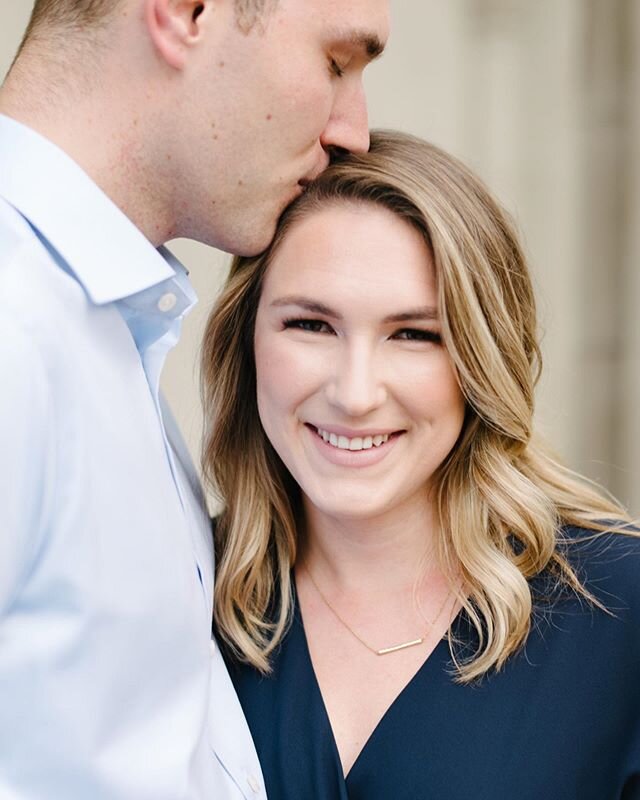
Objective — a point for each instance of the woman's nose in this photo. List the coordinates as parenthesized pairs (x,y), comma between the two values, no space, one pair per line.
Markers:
(356,386)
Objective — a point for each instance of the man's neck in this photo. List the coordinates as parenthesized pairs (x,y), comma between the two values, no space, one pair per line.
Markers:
(99,133)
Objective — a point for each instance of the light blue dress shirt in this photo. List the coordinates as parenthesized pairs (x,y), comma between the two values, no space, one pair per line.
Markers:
(110,685)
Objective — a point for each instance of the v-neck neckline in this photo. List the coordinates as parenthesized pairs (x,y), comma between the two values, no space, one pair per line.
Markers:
(428,664)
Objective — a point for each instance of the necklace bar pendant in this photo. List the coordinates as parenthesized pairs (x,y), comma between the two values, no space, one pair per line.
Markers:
(397,647)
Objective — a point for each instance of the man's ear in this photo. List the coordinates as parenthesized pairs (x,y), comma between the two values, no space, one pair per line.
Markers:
(174,27)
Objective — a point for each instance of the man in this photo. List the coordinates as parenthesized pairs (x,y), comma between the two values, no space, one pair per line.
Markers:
(125,123)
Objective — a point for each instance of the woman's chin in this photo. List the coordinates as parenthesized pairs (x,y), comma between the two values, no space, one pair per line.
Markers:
(349,507)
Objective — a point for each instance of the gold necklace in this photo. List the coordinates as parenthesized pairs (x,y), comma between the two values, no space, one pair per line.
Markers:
(383,651)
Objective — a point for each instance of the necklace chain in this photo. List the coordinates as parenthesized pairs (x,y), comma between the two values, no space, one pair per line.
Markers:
(383,651)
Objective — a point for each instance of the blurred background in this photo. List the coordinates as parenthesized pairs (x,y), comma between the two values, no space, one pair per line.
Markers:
(542,99)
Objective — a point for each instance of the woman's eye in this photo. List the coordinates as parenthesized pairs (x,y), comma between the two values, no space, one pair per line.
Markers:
(417,335)
(309,325)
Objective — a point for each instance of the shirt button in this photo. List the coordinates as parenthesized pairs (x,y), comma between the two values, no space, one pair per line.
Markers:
(167,302)
(254,784)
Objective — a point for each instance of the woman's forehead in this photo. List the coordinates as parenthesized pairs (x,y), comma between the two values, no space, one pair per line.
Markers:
(359,250)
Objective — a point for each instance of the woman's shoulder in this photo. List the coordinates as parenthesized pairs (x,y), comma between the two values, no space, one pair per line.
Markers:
(607,563)
(602,618)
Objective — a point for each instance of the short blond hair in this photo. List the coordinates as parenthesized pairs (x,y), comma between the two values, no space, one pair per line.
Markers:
(81,14)
(70,14)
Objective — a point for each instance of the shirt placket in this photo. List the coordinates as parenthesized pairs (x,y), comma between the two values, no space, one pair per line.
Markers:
(154,317)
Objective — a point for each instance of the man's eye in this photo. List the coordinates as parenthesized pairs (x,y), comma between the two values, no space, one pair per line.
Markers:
(335,68)
(309,325)
(417,335)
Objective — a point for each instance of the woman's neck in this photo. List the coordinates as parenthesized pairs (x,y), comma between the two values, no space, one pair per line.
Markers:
(391,550)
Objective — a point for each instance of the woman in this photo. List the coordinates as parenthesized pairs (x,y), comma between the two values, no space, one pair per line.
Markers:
(415,599)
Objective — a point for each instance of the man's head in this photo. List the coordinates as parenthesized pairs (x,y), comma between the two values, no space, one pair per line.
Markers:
(268,107)
(79,21)
(71,13)
(217,113)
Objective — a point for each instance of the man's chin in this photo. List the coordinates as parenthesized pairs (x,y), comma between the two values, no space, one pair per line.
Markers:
(256,246)
(243,243)
(255,241)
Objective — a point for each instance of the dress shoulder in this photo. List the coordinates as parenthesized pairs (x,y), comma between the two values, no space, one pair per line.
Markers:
(608,566)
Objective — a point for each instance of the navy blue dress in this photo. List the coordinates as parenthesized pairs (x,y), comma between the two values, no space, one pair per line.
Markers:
(560,722)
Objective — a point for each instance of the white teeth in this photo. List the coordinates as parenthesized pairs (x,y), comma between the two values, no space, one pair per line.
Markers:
(357,443)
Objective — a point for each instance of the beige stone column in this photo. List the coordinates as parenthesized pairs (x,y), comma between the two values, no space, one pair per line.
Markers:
(522,124)
(606,380)
(14,16)
(628,387)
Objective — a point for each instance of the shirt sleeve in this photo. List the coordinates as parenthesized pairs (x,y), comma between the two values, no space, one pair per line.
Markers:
(26,455)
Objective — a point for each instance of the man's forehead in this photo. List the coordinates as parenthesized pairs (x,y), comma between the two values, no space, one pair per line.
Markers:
(356,24)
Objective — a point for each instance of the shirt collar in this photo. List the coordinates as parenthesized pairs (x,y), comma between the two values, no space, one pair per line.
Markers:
(108,255)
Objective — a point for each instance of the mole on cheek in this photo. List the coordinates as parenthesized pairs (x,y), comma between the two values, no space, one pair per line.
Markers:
(269,117)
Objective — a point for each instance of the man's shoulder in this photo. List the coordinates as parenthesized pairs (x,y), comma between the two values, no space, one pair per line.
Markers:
(37,291)
(15,234)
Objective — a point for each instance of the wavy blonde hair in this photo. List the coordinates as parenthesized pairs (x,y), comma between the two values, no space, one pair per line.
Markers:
(501,499)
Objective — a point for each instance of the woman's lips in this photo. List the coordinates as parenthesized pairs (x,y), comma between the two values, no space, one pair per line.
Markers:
(359,449)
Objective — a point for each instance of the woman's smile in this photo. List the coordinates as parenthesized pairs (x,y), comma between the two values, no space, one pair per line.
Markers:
(356,450)
(359,399)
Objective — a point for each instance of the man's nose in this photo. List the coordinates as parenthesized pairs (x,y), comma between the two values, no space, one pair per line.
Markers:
(356,386)
(348,125)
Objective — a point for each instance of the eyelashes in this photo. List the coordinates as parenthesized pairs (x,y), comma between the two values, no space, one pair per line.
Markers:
(315,326)
(335,68)
(418,335)
(309,325)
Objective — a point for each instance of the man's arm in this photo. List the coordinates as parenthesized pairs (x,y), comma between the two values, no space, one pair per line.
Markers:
(27,455)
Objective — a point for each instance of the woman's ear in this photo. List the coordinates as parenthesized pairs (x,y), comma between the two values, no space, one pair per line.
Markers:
(174,26)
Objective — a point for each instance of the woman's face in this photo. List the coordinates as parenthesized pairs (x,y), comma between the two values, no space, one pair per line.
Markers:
(356,392)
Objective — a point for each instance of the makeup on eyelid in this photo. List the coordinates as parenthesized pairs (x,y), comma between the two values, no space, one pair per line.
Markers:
(315,326)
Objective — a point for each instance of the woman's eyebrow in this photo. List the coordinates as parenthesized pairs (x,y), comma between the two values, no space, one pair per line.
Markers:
(307,304)
(420,314)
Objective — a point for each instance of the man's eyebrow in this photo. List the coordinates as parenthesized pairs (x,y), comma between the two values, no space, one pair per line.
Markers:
(369,42)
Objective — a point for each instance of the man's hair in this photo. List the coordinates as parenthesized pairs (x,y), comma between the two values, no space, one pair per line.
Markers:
(51,19)
(80,14)
(69,13)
